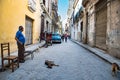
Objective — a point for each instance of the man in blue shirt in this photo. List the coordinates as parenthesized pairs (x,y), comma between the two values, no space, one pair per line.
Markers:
(20,43)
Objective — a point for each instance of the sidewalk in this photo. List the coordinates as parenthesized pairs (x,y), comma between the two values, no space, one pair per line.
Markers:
(28,48)
(99,53)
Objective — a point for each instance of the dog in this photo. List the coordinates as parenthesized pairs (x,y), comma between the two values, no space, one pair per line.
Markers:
(50,64)
(115,69)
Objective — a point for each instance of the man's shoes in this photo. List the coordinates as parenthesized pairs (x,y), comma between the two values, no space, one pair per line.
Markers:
(22,61)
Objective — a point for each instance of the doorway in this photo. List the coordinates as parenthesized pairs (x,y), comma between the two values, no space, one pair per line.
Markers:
(28,30)
(101,24)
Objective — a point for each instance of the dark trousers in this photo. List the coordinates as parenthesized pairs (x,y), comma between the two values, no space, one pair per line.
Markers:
(65,39)
(21,50)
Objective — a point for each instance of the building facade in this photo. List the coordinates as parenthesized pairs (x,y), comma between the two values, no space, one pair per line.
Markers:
(15,13)
(97,24)
(49,17)
(101,25)
(75,19)
(55,18)
(46,17)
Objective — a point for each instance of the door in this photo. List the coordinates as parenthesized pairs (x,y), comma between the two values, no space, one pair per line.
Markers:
(101,24)
(28,30)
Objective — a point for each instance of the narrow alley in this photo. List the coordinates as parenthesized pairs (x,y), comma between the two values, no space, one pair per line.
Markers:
(92,28)
(75,63)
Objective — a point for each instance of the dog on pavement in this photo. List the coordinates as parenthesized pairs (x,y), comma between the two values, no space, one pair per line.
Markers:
(115,69)
(50,64)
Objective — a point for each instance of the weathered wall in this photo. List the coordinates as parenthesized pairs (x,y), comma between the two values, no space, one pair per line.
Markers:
(91,26)
(101,24)
(89,22)
(107,25)
(84,27)
(113,25)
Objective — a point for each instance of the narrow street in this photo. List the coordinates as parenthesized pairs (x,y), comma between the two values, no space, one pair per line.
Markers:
(75,63)
(92,25)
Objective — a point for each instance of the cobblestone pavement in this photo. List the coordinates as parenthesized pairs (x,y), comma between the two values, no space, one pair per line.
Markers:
(75,62)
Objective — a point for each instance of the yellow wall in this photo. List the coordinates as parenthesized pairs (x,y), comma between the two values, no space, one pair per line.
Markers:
(37,22)
(12,14)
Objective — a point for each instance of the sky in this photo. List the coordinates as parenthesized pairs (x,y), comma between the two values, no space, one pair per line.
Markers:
(62,9)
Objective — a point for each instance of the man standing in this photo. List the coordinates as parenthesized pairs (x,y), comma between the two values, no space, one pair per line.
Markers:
(20,43)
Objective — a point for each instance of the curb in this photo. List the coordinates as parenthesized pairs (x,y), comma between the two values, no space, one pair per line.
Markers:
(106,57)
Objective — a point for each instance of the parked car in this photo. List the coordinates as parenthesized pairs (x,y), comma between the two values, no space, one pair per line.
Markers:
(56,37)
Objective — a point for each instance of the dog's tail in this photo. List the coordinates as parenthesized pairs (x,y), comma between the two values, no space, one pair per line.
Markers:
(55,65)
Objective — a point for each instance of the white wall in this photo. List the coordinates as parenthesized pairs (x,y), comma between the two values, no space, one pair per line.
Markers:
(79,4)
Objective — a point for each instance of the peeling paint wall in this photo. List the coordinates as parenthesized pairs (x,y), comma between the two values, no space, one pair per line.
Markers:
(101,24)
(91,26)
(113,39)
(101,29)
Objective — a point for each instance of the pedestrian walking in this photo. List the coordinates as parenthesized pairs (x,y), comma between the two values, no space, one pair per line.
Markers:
(20,39)
(62,37)
(46,39)
(65,37)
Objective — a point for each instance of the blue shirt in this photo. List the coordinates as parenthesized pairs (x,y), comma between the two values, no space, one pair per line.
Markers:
(20,37)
